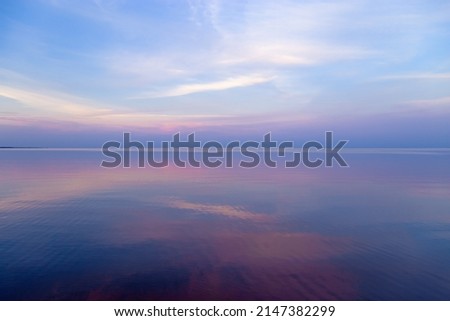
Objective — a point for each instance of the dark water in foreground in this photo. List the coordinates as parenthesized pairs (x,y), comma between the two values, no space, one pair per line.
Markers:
(70,230)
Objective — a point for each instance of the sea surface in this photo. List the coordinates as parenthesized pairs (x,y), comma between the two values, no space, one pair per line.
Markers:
(377,230)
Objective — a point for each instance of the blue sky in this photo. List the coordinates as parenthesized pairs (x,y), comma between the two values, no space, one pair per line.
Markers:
(76,73)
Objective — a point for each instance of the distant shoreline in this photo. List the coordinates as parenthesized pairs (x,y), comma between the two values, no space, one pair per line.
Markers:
(13,147)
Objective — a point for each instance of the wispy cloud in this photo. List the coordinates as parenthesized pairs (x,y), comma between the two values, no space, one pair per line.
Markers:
(432,102)
(414,76)
(257,35)
(294,61)
(229,83)
(52,102)
(48,105)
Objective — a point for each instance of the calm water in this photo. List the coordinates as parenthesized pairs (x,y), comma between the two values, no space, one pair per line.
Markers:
(70,230)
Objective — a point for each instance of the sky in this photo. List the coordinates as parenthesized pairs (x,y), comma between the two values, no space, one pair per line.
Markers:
(79,73)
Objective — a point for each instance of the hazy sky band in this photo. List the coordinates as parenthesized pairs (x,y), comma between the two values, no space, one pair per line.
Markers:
(79,73)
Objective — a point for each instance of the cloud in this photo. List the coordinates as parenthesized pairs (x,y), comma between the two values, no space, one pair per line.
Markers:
(286,39)
(41,105)
(52,102)
(232,38)
(413,76)
(286,53)
(289,33)
(314,56)
(433,102)
(229,83)
(36,104)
